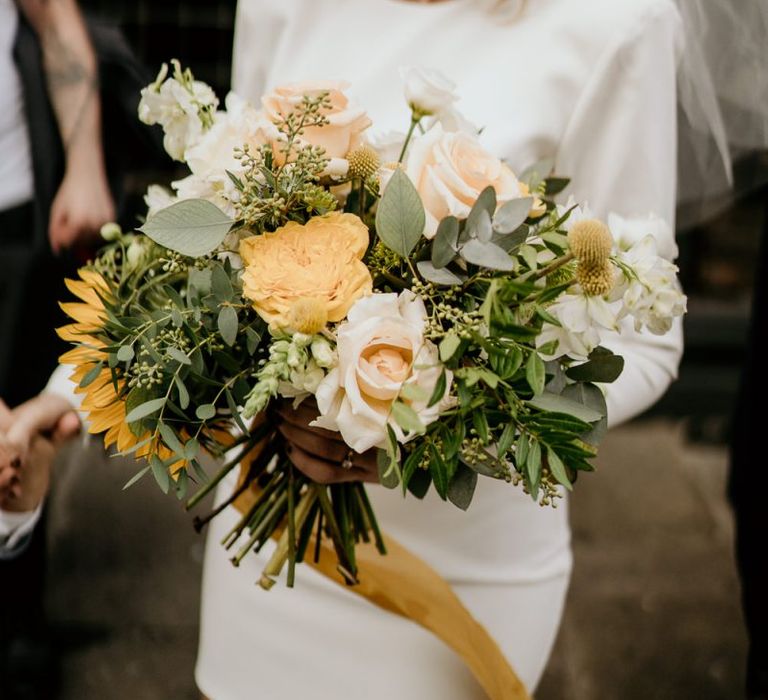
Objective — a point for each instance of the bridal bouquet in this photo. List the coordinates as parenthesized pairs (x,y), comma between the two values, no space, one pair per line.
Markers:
(435,306)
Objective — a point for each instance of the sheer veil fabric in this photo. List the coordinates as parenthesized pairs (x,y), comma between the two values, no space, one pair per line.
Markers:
(723,103)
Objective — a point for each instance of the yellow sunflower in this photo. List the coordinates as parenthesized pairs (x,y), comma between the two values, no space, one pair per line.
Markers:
(105,407)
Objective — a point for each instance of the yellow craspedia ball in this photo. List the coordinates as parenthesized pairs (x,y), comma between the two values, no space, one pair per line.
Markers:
(595,280)
(364,162)
(307,315)
(590,241)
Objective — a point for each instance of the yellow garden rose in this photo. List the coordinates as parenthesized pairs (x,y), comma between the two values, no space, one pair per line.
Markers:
(314,270)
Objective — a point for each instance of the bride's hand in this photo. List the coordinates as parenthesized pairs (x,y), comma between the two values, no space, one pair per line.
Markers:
(320,453)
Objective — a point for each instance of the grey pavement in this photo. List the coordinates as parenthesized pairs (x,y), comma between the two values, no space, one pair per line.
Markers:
(652,612)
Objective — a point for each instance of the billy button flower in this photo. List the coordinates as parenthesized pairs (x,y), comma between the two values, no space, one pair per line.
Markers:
(591,243)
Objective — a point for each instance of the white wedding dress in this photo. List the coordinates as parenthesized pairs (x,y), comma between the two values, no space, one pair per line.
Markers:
(591,82)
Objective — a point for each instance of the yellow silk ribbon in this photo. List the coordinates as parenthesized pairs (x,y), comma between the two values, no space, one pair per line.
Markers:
(402,583)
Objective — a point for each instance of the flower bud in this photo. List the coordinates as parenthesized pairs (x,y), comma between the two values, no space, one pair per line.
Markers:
(111,231)
(322,352)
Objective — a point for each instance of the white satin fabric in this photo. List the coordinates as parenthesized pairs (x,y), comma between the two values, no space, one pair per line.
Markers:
(591,82)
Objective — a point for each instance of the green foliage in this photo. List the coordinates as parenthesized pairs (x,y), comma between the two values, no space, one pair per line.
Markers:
(400,215)
(192,227)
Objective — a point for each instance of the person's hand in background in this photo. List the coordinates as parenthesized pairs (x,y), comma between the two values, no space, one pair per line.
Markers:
(83,202)
(30,437)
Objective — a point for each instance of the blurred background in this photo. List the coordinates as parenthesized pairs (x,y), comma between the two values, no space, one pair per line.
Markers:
(653,610)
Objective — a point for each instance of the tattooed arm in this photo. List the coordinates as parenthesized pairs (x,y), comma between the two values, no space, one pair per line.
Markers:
(83,202)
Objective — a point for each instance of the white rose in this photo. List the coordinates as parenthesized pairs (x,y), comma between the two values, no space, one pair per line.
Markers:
(381,347)
(427,91)
(451,169)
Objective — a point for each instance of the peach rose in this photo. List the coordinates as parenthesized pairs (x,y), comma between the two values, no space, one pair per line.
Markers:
(346,123)
(451,169)
(317,264)
(381,348)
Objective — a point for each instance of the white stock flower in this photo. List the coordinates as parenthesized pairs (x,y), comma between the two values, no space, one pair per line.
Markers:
(176,107)
(627,231)
(427,91)
(651,295)
(583,320)
(381,348)
(157,198)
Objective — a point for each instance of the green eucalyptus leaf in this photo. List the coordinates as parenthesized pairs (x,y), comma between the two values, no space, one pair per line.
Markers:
(145,409)
(449,345)
(445,242)
(125,353)
(511,215)
(486,255)
(589,395)
(439,276)
(484,206)
(554,403)
(160,472)
(171,439)
(91,375)
(199,282)
(512,241)
(483,230)
(138,475)
(182,391)
(221,285)
(227,324)
(462,487)
(179,355)
(205,411)
(400,216)
(252,340)
(193,227)
(191,448)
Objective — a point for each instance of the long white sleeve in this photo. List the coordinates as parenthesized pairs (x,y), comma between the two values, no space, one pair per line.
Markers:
(15,529)
(620,151)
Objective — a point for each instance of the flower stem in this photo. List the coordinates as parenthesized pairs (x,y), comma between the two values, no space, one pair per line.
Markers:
(253,440)
(415,120)
(549,269)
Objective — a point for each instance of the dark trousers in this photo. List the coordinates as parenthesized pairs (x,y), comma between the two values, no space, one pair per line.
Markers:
(748,485)
(31,285)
